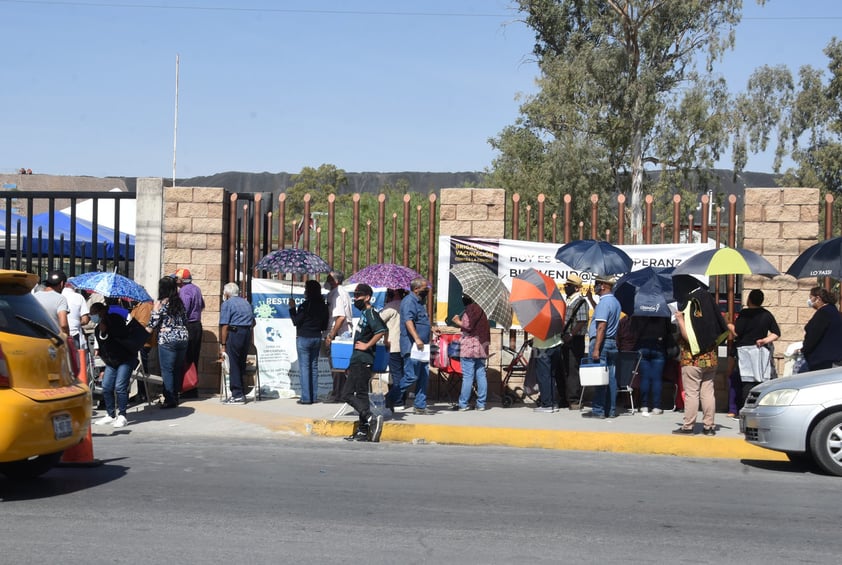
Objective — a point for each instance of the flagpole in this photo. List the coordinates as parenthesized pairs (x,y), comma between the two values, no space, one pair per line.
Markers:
(175,125)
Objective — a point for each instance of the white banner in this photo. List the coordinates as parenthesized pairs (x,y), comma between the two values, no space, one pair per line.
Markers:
(508,258)
(274,338)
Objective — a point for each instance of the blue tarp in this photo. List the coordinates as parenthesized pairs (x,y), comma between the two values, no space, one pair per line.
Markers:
(61,236)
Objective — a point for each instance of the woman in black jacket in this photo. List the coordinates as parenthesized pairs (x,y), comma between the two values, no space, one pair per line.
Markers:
(823,333)
(111,334)
(310,320)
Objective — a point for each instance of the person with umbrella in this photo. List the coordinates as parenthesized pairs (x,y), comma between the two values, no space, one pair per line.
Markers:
(310,321)
(473,352)
(111,334)
(602,334)
(823,333)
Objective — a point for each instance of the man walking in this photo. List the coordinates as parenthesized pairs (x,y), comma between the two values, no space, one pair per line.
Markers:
(370,329)
(602,335)
(236,319)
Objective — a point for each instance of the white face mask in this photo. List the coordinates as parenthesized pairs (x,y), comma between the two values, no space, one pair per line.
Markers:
(810,303)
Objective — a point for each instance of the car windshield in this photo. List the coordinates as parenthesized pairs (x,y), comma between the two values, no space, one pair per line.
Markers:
(15,303)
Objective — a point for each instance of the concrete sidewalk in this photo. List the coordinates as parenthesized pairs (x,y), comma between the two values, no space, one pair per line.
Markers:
(517,426)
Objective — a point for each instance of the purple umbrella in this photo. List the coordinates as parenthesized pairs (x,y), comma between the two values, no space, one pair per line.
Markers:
(293,261)
(388,275)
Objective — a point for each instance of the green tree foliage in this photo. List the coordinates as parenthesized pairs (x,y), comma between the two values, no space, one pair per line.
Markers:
(804,117)
(619,91)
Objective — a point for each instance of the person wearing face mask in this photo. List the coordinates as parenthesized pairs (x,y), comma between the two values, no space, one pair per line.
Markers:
(823,333)
(415,333)
(370,329)
(476,335)
(602,337)
(573,342)
(341,317)
(111,331)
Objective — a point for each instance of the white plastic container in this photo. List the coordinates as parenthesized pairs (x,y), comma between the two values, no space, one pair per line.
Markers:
(593,374)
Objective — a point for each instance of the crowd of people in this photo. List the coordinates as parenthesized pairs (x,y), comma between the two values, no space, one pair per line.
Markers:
(682,349)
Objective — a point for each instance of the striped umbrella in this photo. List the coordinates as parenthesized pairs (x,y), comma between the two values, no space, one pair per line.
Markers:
(486,289)
(538,304)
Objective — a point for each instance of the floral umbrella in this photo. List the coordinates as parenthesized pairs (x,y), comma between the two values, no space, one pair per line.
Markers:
(293,261)
(387,275)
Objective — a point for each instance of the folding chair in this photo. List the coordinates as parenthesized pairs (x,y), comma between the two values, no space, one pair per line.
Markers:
(627,368)
(140,375)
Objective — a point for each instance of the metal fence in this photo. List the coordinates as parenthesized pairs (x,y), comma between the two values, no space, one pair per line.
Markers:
(43,230)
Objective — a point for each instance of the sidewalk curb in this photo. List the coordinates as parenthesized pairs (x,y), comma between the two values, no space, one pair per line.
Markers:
(573,440)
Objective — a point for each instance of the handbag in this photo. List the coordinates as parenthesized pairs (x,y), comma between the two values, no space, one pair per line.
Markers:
(755,363)
(191,378)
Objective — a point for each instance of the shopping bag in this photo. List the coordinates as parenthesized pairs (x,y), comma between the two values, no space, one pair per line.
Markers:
(191,378)
(755,363)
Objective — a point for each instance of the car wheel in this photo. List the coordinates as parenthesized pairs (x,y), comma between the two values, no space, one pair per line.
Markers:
(30,468)
(826,444)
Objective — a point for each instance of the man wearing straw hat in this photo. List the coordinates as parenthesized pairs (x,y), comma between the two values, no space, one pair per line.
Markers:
(573,345)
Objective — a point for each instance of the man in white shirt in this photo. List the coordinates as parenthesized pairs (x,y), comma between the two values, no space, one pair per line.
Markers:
(77,316)
(341,318)
(52,300)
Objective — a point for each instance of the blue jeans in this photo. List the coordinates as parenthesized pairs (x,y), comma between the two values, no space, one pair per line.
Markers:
(396,371)
(308,367)
(415,373)
(473,368)
(651,376)
(546,369)
(171,357)
(605,397)
(116,378)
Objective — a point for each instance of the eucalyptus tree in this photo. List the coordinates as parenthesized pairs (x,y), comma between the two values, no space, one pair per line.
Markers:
(624,85)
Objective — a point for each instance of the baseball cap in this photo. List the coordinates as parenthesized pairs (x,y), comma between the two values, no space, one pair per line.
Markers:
(55,278)
(183,274)
(363,289)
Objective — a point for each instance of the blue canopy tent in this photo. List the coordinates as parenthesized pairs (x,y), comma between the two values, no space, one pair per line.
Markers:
(62,243)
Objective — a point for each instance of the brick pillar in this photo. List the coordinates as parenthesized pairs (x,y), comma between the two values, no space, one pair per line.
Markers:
(193,228)
(780,223)
(478,212)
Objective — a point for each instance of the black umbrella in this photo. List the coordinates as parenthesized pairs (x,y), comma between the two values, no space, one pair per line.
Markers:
(824,259)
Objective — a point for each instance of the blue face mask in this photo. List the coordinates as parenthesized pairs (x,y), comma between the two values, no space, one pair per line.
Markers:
(95,318)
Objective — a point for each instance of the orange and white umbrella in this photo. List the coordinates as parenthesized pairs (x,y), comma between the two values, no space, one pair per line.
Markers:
(537,303)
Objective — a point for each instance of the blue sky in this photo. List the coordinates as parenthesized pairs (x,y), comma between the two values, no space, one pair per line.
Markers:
(277,85)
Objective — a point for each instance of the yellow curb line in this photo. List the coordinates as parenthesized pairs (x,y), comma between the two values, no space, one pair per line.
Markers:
(653,444)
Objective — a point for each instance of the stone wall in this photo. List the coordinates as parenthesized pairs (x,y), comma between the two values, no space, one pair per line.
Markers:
(780,223)
(192,238)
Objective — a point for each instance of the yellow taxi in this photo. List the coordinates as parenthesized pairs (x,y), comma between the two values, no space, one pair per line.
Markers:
(44,408)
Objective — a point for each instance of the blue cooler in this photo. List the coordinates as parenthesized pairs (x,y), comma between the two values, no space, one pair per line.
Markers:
(341,350)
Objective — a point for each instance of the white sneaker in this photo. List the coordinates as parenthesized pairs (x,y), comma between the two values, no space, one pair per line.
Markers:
(657,411)
(644,412)
(104,421)
(120,422)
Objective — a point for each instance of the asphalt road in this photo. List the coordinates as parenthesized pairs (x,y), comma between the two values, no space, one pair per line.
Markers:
(226,500)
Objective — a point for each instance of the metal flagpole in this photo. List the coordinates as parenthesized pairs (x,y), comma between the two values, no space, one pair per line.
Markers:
(175,125)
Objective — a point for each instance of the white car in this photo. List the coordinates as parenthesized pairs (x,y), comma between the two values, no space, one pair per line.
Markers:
(799,415)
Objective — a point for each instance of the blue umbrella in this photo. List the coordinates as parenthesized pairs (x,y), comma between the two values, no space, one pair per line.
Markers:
(598,257)
(644,293)
(111,285)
